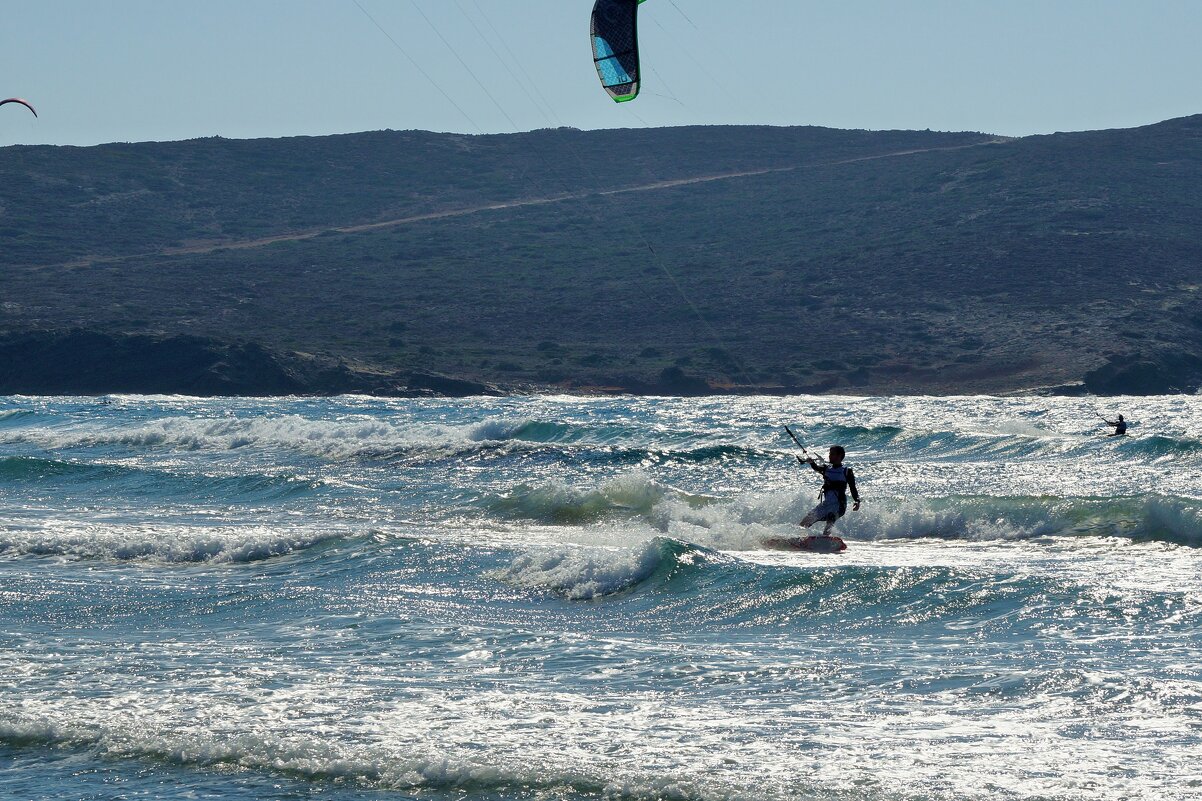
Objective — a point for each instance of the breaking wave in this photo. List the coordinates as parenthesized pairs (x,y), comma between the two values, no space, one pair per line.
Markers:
(1154,518)
(583,573)
(410,766)
(745,521)
(165,544)
(104,478)
(631,495)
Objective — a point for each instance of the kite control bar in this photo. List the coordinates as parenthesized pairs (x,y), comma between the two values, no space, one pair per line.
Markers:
(803,447)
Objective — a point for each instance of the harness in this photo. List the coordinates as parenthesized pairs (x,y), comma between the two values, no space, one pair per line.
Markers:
(834,479)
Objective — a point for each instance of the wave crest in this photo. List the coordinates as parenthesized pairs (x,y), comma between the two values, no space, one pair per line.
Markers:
(584,573)
(626,496)
(161,544)
(1157,518)
(745,521)
(407,765)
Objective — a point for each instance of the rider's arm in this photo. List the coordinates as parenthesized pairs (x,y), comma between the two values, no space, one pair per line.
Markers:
(851,485)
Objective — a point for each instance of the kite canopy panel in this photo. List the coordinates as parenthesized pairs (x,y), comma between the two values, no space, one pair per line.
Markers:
(616,47)
(24,103)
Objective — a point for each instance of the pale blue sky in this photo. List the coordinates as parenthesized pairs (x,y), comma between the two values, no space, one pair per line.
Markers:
(135,70)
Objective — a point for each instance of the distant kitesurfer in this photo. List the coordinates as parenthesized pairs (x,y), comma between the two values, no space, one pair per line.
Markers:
(837,479)
(1120,426)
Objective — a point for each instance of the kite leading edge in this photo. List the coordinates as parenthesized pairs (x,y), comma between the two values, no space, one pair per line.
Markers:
(24,103)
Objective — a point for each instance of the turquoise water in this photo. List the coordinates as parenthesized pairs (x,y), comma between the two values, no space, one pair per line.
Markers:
(559,598)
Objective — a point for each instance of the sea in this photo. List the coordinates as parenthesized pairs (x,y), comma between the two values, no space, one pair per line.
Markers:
(569,598)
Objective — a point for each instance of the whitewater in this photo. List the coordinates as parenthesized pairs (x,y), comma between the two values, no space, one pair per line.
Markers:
(569,598)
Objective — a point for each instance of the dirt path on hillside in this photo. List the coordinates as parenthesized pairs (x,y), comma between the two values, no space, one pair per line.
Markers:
(297,236)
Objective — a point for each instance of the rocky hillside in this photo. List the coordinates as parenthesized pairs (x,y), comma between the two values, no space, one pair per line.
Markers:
(669,260)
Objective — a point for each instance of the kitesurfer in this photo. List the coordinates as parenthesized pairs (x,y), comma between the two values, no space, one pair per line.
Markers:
(837,480)
(1120,426)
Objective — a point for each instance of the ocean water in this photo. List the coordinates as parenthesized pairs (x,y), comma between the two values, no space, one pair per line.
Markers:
(565,598)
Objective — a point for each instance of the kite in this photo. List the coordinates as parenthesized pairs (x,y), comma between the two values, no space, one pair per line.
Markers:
(616,47)
(24,103)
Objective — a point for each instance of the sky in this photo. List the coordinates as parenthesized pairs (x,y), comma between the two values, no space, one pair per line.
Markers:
(141,70)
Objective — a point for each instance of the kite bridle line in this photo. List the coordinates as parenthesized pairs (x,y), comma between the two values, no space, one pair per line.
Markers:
(602,194)
(606,196)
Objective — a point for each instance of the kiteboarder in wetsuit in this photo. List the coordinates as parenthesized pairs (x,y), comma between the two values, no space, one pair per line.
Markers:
(837,479)
(1120,426)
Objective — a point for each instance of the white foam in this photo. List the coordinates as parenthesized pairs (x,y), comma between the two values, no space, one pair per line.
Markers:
(496,430)
(985,518)
(1172,519)
(582,572)
(347,436)
(430,743)
(632,493)
(912,519)
(165,543)
(745,521)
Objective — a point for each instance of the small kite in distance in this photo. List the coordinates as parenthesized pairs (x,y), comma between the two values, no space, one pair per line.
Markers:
(24,103)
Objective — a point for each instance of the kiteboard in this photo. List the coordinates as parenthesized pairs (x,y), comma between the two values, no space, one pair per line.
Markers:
(812,543)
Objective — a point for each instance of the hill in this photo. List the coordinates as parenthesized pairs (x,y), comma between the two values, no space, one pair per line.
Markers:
(657,260)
